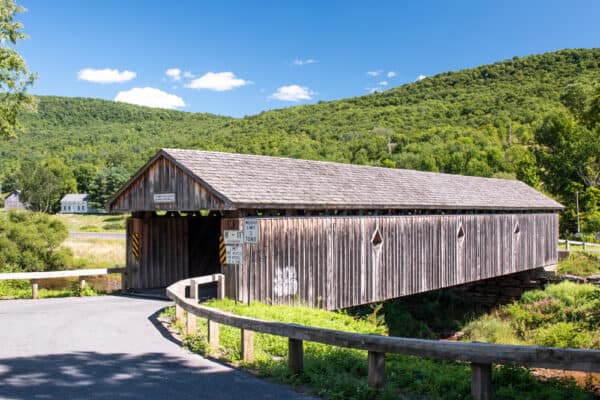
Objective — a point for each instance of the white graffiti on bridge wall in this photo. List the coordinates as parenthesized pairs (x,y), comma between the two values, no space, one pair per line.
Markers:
(285,282)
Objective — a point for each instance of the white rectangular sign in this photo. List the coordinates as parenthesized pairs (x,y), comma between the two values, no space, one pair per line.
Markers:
(164,197)
(233,237)
(234,253)
(251,230)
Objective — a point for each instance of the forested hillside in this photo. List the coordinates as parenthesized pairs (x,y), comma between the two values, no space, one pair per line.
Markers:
(533,118)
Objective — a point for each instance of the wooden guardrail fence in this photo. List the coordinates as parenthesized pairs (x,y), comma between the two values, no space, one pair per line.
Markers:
(35,277)
(585,245)
(481,356)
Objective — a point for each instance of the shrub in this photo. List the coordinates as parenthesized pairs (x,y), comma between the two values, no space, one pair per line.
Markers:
(31,242)
(581,264)
(113,226)
(563,334)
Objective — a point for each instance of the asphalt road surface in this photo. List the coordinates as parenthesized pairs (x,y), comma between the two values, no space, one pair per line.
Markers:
(109,347)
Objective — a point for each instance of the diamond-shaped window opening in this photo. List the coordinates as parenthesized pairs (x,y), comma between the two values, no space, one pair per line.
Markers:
(460,235)
(377,239)
(517,229)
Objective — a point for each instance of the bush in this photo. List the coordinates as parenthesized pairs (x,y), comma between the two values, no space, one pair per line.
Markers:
(113,226)
(581,264)
(90,228)
(31,242)
(563,334)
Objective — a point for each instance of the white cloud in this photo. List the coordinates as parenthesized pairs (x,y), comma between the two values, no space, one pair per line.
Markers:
(174,73)
(293,93)
(421,77)
(374,73)
(383,83)
(391,74)
(218,81)
(304,62)
(188,75)
(150,97)
(106,75)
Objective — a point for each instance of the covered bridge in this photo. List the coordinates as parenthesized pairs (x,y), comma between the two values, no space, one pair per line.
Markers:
(327,234)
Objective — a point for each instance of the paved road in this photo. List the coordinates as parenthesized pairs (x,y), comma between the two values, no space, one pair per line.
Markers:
(109,347)
(97,235)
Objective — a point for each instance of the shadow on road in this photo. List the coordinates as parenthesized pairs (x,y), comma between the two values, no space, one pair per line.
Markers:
(88,375)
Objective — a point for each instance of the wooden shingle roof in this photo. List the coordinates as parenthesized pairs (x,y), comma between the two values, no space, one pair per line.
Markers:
(251,181)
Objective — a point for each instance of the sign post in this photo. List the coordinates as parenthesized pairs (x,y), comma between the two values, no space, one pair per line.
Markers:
(251,237)
(234,252)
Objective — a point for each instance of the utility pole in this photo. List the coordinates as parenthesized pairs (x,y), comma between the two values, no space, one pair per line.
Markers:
(578,234)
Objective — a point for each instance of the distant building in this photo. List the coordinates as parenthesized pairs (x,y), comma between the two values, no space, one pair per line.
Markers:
(74,203)
(13,202)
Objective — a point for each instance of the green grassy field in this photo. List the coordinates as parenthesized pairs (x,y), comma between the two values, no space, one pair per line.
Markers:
(93,222)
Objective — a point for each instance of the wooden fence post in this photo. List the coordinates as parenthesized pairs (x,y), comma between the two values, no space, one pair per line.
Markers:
(190,323)
(178,313)
(247,345)
(213,335)
(481,381)
(81,283)
(194,290)
(584,245)
(34,288)
(567,244)
(123,281)
(295,355)
(376,369)
(220,287)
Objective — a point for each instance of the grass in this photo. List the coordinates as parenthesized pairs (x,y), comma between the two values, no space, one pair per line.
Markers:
(21,289)
(97,253)
(581,264)
(93,222)
(338,373)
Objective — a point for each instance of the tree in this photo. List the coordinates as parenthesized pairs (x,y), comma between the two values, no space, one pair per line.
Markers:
(43,183)
(85,175)
(15,78)
(106,184)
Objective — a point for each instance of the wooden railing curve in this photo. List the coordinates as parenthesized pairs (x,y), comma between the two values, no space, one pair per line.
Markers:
(480,355)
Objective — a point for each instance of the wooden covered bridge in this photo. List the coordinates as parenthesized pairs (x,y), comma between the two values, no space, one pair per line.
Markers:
(326,234)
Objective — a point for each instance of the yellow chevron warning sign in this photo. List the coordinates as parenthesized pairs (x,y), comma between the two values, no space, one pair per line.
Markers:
(135,245)
(222,251)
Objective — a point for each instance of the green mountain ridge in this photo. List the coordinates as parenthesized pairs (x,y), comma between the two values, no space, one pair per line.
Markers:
(478,121)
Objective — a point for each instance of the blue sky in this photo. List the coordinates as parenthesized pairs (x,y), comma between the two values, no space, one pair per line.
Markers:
(239,57)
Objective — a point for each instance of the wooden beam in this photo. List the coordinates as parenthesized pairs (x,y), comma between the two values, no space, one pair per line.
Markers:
(60,274)
(190,324)
(247,345)
(295,355)
(376,361)
(481,381)
(213,335)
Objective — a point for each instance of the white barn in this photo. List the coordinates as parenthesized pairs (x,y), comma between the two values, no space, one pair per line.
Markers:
(75,203)
(13,202)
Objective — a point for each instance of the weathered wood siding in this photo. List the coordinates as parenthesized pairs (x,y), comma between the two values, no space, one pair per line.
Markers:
(331,262)
(164,256)
(163,176)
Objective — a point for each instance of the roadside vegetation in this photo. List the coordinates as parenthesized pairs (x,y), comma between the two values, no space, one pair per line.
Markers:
(580,264)
(566,314)
(338,373)
(33,241)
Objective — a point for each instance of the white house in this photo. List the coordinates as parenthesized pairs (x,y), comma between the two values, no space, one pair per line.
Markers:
(74,203)
(12,201)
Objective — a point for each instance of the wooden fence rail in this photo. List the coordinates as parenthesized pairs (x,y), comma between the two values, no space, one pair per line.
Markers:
(34,277)
(584,245)
(481,355)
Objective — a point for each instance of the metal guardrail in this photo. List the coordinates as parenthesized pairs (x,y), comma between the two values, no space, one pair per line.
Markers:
(35,277)
(481,356)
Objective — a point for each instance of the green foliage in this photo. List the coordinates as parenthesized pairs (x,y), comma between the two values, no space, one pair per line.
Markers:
(580,264)
(31,242)
(44,183)
(562,315)
(21,289)
(105,185)
(15,77)
(338,373)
